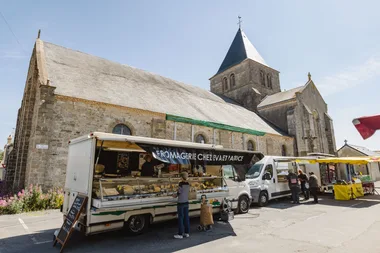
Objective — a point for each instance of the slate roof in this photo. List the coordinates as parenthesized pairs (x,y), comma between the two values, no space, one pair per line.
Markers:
(240,49)
(280,97)
(85,76)
(363,150)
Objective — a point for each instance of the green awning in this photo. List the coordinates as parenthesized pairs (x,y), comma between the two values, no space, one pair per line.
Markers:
(214,125)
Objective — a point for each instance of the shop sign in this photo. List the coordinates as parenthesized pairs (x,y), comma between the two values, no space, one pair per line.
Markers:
(189,156)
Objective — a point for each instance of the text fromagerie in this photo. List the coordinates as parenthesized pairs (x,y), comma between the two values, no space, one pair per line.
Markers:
(200,156)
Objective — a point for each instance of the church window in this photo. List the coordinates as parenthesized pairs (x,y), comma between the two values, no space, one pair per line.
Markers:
(250,146)
(121,129)
(200,139)
(232,80)
(262,78)
(225,83)
(283,150)
(269,81)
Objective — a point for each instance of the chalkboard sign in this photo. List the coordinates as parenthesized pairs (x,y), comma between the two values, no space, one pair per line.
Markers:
(71,218)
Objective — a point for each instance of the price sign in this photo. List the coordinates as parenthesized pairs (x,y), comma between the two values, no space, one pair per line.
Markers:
(71,218)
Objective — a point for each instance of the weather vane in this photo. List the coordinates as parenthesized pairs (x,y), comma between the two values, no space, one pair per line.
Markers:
(239,23)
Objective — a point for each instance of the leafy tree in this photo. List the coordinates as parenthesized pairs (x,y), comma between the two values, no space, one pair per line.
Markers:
(1,154)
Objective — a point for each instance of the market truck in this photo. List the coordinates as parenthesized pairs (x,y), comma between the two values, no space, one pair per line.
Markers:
(268,177)
(131,181)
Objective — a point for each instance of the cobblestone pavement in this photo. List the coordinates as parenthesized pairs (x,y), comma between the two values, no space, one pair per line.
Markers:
(329,227)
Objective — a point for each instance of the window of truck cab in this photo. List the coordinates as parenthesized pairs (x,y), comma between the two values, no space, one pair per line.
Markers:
(228,171)
(255,170)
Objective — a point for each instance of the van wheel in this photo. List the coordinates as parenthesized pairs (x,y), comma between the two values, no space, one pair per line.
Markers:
(137,224)
(263,199)
(243,205)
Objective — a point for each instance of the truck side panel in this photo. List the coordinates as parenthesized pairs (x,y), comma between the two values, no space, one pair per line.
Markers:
(79,166)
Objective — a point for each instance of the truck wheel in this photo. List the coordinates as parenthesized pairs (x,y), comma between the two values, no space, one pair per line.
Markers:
(137,224)
(243,205)
(263,199)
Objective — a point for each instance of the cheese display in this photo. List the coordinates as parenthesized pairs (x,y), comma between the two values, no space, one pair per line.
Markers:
(142,188)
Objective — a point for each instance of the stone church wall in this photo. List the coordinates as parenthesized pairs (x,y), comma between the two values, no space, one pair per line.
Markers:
(349,152)
(247,76)
(278,114)
(59,119)
(311,97)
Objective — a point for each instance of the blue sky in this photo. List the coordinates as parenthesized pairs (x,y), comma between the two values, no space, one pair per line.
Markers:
(337,41)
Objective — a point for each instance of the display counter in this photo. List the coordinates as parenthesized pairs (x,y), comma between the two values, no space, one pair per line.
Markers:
(112,192)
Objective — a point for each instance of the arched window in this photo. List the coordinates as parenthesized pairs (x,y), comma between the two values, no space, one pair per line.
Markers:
(225,83)
(283,150)
(200,139)
(232,80)
(121,129)
(250,146)
(269,81)
(262,78)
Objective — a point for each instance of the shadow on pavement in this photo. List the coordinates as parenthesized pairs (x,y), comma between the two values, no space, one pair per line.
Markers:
(158,238)
(41,241)
(362,202)
(328,200)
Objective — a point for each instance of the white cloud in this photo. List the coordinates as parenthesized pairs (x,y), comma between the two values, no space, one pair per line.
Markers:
(12,55)
(350,77)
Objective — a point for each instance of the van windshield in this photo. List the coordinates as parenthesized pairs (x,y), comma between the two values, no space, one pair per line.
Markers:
(255,170)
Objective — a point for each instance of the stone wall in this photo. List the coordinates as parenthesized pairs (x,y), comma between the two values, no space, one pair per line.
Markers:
(60,119)
(347,151)
(278,114)
(15,176)
(249,88)
(319,126)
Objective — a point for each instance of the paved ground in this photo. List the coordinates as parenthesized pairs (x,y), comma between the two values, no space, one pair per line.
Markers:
(329,227)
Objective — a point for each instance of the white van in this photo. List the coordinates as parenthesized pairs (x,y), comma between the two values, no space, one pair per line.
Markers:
(107,169)
(268,177)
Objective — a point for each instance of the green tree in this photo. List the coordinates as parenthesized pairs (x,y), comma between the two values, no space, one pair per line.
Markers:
(1,154)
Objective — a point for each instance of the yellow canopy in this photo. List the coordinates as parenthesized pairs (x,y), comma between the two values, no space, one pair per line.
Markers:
(347,160)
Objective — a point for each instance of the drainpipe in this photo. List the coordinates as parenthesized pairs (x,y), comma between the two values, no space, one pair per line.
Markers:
(192,133)
(175,131)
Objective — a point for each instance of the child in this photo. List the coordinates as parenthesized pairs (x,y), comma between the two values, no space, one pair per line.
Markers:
(183,207)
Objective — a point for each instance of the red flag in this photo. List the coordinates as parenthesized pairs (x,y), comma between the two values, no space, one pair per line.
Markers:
(367,126)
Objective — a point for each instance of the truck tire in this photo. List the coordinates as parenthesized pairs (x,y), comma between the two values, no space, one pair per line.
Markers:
(263,198)
(243,204)
(137,224)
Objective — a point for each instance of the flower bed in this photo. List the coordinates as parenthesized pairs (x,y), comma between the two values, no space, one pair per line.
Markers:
(31,199)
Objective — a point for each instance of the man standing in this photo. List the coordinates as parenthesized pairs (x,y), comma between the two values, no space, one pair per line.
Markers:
(313,184)
(303,179)
(294,187)
(183,207)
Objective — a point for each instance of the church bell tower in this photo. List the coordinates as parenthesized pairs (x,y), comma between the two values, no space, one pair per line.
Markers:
(243,75)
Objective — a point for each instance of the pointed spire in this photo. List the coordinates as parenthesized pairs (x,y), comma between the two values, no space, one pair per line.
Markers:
(239,23)
(309,76)
(39,33)
(240,49)
(345,142)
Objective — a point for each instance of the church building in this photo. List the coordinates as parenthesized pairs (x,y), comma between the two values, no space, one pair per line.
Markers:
(69,93)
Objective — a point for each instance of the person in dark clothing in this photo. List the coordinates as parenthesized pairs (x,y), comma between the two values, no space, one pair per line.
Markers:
(294,187)
(313,184)
(147,169)
(303,179)
(183,207)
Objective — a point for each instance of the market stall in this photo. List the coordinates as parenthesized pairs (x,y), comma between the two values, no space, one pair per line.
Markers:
(353,175)
(132,181)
